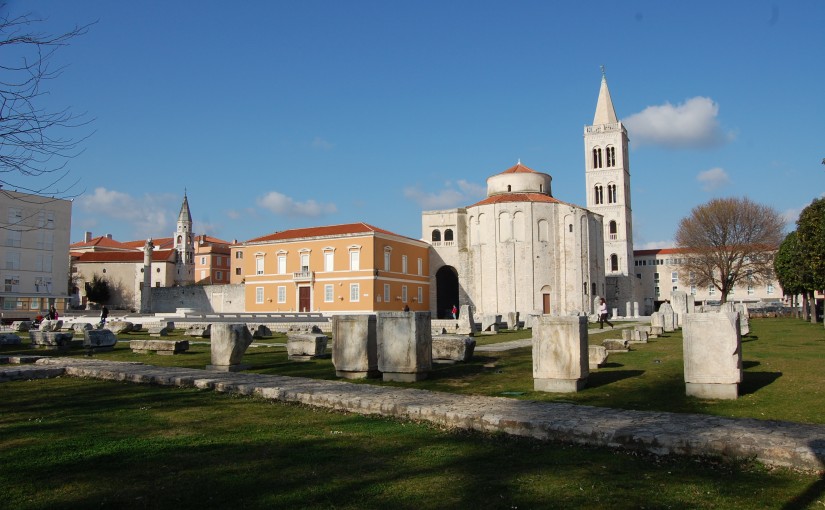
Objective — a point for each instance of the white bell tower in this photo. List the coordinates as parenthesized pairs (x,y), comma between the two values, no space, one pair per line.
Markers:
(607,178)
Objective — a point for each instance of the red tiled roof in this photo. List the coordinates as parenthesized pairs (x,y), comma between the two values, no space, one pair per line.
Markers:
(519,169)
(518,197)
(100,242)
(329,230)
(659,251)
(124,256)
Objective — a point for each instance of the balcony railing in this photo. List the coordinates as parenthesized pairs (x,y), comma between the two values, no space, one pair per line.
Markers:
(303,276)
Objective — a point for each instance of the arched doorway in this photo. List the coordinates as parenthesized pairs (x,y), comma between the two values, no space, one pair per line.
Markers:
(446,288)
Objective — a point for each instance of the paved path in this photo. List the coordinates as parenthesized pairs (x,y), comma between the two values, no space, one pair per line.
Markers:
(527,342)
(774,443)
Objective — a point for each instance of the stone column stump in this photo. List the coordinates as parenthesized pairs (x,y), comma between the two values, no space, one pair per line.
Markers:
(405,345)
(712,355)
(354,346)
(560,354)
(52,340)
(229,343)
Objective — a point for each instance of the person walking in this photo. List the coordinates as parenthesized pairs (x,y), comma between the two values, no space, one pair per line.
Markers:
(52,314)
(104,312)
(603,314)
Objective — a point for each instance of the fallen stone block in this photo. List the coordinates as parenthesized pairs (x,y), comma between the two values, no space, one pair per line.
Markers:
(229,343)
(99,339)
(21,326)
(199,331)
(452,348)
(49,325)
(9,339)
(597,356)
(161,329)
(53,340)
(162,347)
(80,327)
(306,346)
(119,327)
(616,345)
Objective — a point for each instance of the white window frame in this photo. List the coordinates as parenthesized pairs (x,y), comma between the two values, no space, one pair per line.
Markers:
(355,260)
(403,293)
(329,293)
(387,294)
(420,266)
(354,292)
(259,265)
(674,276)
(259,295)
(329,261)
(387,260)
(404,264)
(281,294)
(420,294)
(281,264)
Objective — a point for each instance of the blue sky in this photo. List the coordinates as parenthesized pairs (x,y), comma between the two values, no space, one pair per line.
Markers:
(282,114)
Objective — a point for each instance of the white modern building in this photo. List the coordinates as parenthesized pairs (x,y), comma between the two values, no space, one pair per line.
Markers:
(35,242)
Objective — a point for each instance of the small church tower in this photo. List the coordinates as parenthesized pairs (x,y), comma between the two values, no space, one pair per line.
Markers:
(607,177)
(185,246)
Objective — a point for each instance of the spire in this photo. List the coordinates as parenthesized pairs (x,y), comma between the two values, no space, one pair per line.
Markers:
(184,210)
(605,114)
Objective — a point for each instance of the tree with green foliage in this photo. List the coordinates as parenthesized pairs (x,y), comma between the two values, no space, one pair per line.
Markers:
(791,270)
(810,228)
(98,290)
(730,240)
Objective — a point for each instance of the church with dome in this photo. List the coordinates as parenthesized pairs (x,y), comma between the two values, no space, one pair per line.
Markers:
(522,250)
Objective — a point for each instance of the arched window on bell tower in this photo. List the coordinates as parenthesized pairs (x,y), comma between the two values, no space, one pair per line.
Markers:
(610,156)
(612,231)
(597,157)
(611,194)
(614,262)
(598,194)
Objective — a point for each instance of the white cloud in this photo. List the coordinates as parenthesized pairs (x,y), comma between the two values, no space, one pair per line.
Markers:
(693,123)
(233,214)
(448,197)
(321,144)
(147,216)
(713,179)
(280,204)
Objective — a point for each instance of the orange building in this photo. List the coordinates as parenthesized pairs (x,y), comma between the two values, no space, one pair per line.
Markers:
(211,261)
(347,268)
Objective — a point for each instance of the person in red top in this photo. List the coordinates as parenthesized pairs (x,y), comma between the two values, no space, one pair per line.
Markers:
(455,312)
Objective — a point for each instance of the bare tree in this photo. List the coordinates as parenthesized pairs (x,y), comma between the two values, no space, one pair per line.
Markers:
(729,240)
(33,139)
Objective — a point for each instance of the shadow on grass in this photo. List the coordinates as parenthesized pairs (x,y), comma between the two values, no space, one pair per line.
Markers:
(754,381)
(596,379)
(816,490)
(750,364)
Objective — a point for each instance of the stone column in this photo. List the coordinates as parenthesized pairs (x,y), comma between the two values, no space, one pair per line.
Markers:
(678,300)
(668,317)
(560,354)
(355,346)
(712,350)
(146,290)
(405,345)
(636,309)
(629,309)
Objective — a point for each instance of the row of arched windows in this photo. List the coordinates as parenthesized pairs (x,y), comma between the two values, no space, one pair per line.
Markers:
(612,196)
(448,235)
(604,159)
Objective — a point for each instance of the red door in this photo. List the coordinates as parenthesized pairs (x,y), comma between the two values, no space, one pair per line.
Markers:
(546,303)
(303,299)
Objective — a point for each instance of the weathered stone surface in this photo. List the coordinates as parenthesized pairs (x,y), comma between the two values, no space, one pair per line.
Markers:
(99,339)
(453,347)
(597,356)
(47,325)
(490,322)
(656,331)
(21,326)
(668,317)
(162,329)
(679,302)
(355,346)
(405,345)
(744,318)
(304,346)
(119,327)
(229,343)
(80,327)
(560,354)
(162,347)
(627,335)
(616,345)
(50,339)
(657,320)
(513,321)
(262,331)
(199,330)
(638,337)
(9,339)
(712,350)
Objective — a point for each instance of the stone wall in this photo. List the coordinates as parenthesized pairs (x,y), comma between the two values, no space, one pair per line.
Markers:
(203,298)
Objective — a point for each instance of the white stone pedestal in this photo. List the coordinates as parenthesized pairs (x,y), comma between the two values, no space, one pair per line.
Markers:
(560,354)
(405,345)
(712,355)
(354,346)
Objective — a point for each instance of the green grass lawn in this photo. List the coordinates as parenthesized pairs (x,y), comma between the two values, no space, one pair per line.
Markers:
(78,443)
(783,377)
(75,443)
